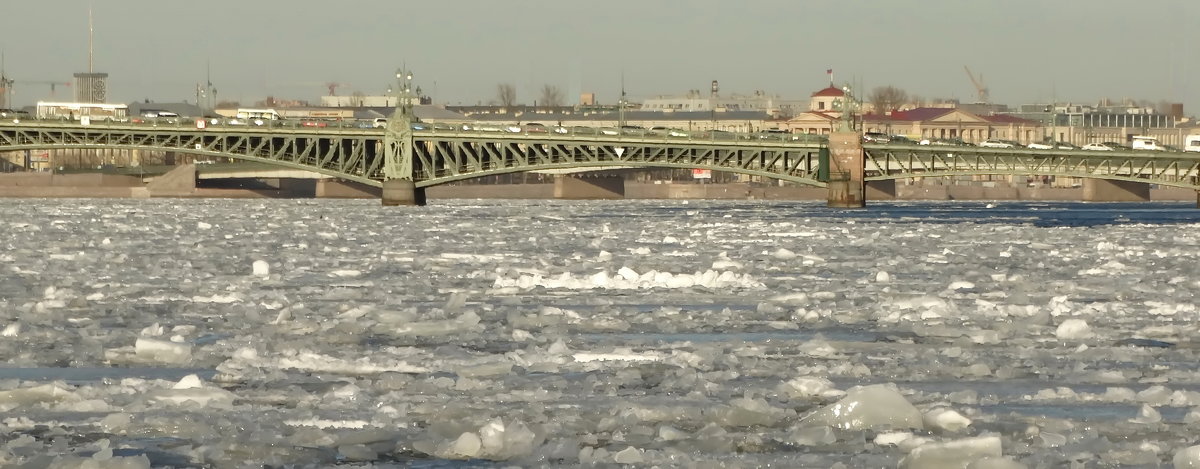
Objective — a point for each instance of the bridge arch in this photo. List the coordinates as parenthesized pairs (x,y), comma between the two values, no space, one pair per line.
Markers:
(1070,174)
(202,152)
(610,165)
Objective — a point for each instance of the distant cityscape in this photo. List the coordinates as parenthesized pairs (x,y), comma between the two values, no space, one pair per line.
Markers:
(884,109)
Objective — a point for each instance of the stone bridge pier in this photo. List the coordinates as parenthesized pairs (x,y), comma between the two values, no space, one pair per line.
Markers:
(589,187)
(846,170)
(1106,190)
(402,192)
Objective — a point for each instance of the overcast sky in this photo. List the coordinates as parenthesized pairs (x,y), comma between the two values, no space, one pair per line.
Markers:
(1026,50)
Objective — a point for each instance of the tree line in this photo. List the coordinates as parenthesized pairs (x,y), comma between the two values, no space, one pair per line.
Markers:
(549,95)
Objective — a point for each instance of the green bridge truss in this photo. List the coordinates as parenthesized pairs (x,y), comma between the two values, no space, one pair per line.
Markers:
(439,157)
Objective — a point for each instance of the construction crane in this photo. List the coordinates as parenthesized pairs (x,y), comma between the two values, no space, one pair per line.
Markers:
(979,86)
(53,84)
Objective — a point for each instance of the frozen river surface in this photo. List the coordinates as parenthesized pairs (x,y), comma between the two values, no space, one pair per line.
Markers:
(234,333)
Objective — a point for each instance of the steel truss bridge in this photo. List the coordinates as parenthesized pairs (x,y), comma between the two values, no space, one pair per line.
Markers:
(444,156)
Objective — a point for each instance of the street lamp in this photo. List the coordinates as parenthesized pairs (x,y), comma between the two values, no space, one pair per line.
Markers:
(403,94)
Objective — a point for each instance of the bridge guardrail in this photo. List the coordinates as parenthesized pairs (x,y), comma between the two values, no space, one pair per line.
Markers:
(472,129)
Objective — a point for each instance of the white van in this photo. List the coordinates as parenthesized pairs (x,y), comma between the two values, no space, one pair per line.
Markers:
(1141,142)
(1191,143)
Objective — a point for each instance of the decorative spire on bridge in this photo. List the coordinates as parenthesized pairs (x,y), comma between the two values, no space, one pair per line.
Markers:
(847,105)
(398,138)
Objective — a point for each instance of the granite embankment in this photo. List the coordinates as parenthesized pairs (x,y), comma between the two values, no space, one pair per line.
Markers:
(182,182)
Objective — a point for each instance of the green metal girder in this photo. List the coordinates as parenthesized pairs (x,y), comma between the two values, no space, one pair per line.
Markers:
(442,157)
(1164,168)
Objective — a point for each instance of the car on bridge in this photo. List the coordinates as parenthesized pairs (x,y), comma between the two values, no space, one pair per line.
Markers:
(1105,146)
(876,137)
(950,142)
(535,128)
(998,143)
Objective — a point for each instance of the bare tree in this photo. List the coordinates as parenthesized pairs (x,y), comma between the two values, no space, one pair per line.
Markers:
(506,93)
(551,96)
(888,98)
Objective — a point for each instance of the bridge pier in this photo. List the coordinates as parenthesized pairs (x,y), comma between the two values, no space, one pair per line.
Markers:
(342,189)
(846,164)
(402,192)
(603,187)
(881,190)
(1107,190)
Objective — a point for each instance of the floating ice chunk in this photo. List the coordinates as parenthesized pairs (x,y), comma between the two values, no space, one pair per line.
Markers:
(1073,329)
(115,422)
(892,438)
(1147,415)
(744,412)
(346,273)
(222,299)
(669,433)
(162,351)
(467,445)
(11,330)
(961,285)
(190,389)
(882,277)
(1187,458)
(726,264)
(945,420)
(954,454)
(628,455)
(991,462)
(153,330)
(783,254)
(805,387)
(191,381)
(867,407)
(105,461)
(467,322)
(616,355)
(260,268)
(494,440)
(203,225)
(1052,440)
(34,395)
(812,436)
(627,274)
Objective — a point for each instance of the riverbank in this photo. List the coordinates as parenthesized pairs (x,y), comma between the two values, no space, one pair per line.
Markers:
(183,183)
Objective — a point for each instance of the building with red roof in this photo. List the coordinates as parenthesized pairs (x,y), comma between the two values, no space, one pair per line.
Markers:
(953,123)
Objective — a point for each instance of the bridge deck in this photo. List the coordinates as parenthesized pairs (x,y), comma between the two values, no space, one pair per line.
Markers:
(440,156)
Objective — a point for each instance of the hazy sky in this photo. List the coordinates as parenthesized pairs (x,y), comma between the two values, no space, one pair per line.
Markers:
(1026,50)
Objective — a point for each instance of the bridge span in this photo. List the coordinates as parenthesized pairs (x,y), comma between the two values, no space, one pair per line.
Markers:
(405,160)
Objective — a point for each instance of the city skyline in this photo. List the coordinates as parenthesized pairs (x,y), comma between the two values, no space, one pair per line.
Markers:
(1026,51)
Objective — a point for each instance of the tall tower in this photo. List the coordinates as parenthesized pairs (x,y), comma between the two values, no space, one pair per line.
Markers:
(91,87)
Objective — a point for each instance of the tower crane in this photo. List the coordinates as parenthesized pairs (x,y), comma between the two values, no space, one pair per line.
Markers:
(53,84)
(979,86)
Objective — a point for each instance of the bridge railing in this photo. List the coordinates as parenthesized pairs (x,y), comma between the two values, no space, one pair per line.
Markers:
(458,128)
